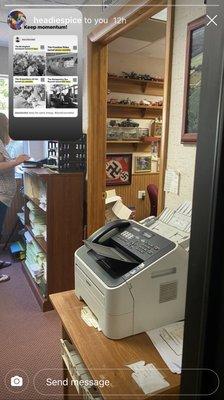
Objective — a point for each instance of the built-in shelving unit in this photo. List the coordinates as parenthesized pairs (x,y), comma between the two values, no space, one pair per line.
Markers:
(141,143)
(63,218)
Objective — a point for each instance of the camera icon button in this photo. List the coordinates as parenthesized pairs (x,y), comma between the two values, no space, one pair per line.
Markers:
(16,380)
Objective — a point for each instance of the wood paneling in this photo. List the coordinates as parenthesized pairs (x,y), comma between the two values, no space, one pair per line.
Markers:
(11,216)
(106,358)
(129,193)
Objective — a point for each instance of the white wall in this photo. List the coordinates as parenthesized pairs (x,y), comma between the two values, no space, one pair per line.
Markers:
(181,157)
(4,60)
(138,63)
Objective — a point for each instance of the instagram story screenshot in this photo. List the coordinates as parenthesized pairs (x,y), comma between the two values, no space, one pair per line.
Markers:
(111,199)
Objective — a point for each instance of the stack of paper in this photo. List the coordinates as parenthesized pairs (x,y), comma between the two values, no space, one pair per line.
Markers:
(89,318)
(147,377)
(168,340)
(35,260)
(43,202)
(37,220)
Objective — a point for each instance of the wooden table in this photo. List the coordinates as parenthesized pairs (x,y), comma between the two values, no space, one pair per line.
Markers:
(106,358)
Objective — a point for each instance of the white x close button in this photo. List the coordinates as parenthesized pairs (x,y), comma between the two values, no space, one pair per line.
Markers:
(212,20)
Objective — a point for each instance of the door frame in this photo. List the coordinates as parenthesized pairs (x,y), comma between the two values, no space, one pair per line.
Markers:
(97,72)
(204,314)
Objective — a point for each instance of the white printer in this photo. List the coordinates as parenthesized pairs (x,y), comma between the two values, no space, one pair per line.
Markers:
(133,275)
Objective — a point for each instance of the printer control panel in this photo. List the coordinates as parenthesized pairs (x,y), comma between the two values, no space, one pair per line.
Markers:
(140,242)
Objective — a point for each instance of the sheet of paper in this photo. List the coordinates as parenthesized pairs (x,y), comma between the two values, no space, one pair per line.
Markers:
(170,349)
(174,336)
(121,211)
(136,366)
(111,196)
(147,377)
(28,237)
(172,180)
(89,318)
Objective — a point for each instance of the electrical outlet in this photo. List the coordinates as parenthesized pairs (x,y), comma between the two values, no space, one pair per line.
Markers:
(141,194)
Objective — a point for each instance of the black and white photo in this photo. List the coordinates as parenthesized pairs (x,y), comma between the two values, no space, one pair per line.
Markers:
(29,96)
(62,96)
(28,64)
(64,64)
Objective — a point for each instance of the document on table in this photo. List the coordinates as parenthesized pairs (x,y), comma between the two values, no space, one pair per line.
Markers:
(168,340)
(147,377)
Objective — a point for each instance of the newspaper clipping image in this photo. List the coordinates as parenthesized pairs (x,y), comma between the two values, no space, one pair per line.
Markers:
(45,79)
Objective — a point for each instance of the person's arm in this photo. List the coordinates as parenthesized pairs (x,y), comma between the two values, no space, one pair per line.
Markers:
(4,165)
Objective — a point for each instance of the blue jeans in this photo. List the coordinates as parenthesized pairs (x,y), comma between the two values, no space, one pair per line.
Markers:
(3,210)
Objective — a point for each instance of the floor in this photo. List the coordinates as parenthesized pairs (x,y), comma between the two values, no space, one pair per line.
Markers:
(29,341)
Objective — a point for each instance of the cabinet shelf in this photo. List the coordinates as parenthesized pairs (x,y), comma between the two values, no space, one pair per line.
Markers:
(135,86)
(64,192)
(39,239)
(43,302)
(36,202)
(116,110)
(145,142)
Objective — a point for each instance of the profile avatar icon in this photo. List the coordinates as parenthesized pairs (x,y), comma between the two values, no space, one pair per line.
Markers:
(16,20)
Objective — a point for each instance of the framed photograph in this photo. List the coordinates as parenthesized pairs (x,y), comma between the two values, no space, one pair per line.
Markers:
(156,128)
(118,169)
(192,85)
(142,163)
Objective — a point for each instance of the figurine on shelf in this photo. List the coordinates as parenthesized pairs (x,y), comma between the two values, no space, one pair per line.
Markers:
(141,77)
(125,101)
(112,75)
(134,103)
(113,123)
(130,75)
(145,102)
(157,103)
(113,101)
(128,123)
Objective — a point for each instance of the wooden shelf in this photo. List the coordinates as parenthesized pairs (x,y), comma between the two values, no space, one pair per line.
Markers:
(39,239)
(145,142)
(36,202)
(135,86)
(43,302)
(132,111)
(145,173)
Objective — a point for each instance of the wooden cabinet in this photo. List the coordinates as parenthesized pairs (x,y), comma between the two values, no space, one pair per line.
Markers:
(63,216)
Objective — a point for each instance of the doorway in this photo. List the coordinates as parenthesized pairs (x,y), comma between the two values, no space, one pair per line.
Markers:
(98,108)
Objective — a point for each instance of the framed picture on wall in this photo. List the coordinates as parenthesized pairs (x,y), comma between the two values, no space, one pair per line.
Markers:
(192,84)
(118,169)
(142,162)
